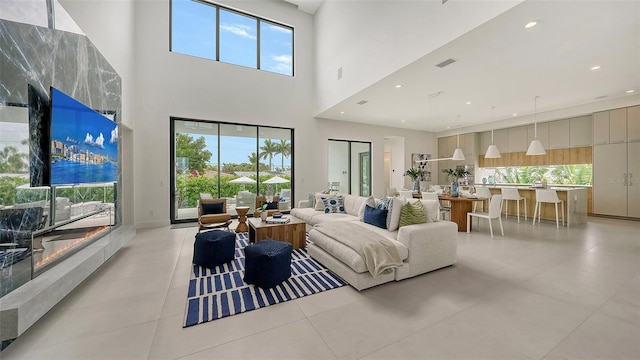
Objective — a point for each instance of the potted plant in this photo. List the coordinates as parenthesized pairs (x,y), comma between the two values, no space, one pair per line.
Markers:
(415,175)
(456,174)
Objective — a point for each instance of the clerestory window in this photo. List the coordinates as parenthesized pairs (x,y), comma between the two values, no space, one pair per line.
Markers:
(217,33)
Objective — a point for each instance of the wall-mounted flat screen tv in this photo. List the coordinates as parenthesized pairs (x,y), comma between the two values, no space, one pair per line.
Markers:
(84,143)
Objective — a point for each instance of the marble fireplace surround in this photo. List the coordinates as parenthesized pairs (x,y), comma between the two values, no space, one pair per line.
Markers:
(45,57)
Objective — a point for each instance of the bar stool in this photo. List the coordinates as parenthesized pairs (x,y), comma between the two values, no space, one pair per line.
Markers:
(513,194)
(547,196)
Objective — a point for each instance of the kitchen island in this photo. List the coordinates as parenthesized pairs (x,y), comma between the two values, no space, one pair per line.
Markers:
(575,202)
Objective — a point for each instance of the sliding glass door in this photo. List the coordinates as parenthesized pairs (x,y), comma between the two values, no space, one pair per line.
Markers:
(349,167)
(237,162)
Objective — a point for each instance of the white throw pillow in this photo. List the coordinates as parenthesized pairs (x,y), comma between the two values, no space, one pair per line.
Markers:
(394,218)
(432,208)
(371,201)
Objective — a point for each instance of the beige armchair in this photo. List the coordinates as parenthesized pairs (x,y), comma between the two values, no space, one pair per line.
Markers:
(212,214)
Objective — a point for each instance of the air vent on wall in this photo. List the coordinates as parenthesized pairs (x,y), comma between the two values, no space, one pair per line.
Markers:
(445,63)
(362,102)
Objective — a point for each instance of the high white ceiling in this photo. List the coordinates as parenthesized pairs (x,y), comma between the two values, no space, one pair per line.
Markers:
(504,65)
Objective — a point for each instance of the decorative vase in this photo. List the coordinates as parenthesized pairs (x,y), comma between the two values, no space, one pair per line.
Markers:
(416,186)
(454,189)
(263,215)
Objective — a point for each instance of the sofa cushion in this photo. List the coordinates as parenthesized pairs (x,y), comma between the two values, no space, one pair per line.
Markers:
(375,217)
(349,256)
(333,204)
(412,212)
(321,217)
(432,207)
(353,204)
(305,214)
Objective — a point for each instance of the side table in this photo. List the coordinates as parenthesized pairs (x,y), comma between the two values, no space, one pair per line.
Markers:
(242,219)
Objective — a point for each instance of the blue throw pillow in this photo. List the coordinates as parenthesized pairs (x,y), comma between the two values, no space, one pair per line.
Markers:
(272,206)
(214,208)
(375,217)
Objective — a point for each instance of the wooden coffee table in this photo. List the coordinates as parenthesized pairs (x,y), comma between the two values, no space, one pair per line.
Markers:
(292,232)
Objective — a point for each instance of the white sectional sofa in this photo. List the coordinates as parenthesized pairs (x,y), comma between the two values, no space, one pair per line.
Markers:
(422,247)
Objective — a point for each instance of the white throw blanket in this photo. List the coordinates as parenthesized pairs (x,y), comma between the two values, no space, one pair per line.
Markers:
(380,254)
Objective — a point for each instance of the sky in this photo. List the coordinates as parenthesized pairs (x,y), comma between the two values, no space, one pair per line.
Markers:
(193,32)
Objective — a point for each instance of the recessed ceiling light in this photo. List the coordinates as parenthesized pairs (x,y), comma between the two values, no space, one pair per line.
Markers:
(531,24)
(341,112)
(398,86)
(448,127)
(597,67)
(468,102)
(630,91)
(402,121)
(514,114)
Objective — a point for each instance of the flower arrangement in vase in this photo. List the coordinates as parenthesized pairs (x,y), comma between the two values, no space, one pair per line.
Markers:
(415,175)
(456,174)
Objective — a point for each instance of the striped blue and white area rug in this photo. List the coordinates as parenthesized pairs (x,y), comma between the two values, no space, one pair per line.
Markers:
(221,292)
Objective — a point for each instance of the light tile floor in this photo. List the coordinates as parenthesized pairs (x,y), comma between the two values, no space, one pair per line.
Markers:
(537,293)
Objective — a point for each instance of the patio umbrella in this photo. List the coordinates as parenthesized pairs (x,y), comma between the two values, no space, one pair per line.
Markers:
(243,180)
(276,180)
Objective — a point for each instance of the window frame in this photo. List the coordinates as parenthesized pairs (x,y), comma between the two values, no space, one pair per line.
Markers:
(259,21)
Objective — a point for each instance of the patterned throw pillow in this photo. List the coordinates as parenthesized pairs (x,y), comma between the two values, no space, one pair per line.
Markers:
(333,204)
(412,213)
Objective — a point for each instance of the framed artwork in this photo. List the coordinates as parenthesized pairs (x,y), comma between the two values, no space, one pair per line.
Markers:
(424,166)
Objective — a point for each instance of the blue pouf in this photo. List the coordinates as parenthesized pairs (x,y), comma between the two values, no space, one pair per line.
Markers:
(213,248)
(267,263)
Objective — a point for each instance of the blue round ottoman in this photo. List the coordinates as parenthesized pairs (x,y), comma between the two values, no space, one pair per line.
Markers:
(213,248)
(267,263)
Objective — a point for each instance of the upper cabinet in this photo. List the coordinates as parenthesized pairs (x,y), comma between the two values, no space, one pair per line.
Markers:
(618,126)
(559,134)
(446,146)
(543,134)
(633,123)
(517,139)
(601,128)
(580,130)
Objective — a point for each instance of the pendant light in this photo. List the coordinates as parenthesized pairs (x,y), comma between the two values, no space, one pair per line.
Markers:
(492,150)
(458,154)
(535,148)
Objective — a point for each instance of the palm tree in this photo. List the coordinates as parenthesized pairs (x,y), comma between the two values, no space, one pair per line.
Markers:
(253,158)
(284,149)
(268,150)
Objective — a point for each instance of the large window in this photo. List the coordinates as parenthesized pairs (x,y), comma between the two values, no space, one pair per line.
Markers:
(237,162)
(217,33)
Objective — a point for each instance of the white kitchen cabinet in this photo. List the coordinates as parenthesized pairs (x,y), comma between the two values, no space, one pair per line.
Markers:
(559,134)
(501,139)
(580,131)
(485,141)
(618,126)
(633,179)
(543,134)
(609,181)
(616,179)
(633,123)
(601,128)
(517,139)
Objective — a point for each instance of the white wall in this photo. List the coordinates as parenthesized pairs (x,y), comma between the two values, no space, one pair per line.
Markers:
(167,84)
(372,39)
